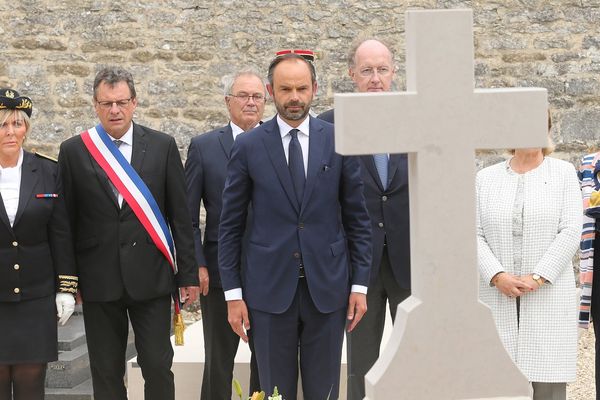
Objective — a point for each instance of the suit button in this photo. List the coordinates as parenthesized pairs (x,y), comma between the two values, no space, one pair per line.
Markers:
(384,198)
(380,224)
(296,254)
(301,225)
(15,244)
(133,244)
(17,290)
(16,267)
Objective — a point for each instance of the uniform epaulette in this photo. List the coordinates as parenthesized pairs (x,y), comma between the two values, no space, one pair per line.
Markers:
(47,157)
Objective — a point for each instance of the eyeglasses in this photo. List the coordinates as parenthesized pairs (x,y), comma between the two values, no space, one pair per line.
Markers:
(245,97)
(367,72)
(107,105)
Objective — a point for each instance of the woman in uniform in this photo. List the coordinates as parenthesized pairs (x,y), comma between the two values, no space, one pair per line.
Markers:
(37,267)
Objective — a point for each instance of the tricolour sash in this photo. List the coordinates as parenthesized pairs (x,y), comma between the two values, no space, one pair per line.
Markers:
(135,192)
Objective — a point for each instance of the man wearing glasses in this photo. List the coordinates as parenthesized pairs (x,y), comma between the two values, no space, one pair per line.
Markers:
(124,187)
(385,178)
(205,171)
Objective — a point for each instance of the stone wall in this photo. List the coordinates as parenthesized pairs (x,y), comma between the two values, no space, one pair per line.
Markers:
(178,51)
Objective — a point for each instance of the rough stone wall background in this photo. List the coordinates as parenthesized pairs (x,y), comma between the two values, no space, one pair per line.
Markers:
(179,50)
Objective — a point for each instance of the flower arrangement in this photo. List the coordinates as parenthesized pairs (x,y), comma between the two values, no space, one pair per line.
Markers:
(256,395)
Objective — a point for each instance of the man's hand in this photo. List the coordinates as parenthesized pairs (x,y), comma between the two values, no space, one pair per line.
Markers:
(511,285)
(237,315)
(204,280)
(357,307)
(188,294)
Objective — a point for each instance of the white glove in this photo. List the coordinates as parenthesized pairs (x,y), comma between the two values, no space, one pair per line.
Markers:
(65,305)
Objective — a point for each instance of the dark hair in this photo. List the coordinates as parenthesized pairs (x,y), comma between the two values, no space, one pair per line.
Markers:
(289,56)
(113,75)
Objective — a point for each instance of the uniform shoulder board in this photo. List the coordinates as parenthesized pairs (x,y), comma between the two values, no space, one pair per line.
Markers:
(47,157)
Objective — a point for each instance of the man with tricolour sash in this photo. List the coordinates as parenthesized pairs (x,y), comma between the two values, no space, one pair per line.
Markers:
(125,191)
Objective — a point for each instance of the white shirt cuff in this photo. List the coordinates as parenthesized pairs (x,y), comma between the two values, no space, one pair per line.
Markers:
(359,289)
(233,294)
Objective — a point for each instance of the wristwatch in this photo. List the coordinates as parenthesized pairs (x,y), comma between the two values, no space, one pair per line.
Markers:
(538,279)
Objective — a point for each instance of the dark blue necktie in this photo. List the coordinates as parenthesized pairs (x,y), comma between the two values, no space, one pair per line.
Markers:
(296,165)
(381,163)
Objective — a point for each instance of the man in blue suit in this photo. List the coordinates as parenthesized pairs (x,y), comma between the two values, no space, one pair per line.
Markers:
(309,243)
(205,172)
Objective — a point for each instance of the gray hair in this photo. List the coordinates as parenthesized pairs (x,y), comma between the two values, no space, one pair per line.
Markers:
(229,80)
(113,75)
(356,43)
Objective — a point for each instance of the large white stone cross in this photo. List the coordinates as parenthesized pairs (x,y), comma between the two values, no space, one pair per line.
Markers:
(444,344)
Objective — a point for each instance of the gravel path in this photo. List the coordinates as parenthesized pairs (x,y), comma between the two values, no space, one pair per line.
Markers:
(584,387)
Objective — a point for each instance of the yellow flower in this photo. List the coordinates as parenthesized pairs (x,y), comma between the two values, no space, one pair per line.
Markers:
(258,396)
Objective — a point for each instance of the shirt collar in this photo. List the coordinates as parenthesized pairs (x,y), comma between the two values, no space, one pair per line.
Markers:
(285,128)
(236,130)
(127,138)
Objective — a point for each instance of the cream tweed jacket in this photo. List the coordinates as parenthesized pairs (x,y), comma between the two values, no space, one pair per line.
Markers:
(544,344)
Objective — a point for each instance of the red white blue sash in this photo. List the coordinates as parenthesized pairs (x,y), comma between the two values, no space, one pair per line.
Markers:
(133,189)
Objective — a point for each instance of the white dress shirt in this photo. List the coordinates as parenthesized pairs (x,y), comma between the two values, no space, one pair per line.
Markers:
(235,130)
(286,138)
(10,185)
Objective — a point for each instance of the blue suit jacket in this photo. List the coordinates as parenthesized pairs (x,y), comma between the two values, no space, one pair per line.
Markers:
(330,230)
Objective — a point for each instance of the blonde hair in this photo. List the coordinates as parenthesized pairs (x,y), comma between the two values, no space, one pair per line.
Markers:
(19,114)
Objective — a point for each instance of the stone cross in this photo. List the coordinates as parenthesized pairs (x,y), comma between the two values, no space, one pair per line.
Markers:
(444,343)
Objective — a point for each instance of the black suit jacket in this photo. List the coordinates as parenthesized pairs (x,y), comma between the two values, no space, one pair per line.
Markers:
(113,250)
(37,248)
(205,173)
(389,212)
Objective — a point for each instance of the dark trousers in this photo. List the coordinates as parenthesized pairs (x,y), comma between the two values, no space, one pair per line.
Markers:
(362,344)
(106,329)
(220,347)
(301,328)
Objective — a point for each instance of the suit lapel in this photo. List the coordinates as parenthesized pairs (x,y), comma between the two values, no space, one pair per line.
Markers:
(397,164)
(139,148)
(317,141)
(274,146)
(226,139)
(4,215)
(102,177)
(369,164)
(29,179)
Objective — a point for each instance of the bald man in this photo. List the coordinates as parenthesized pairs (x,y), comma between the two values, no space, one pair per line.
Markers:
(385,178)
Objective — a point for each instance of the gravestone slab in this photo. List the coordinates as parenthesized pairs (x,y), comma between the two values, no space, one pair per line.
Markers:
(444,344)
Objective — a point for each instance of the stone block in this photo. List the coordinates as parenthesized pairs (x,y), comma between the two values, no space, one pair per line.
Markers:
(581,124)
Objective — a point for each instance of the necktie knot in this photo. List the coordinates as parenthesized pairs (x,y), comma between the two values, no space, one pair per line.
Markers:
(118,142)
(294,134)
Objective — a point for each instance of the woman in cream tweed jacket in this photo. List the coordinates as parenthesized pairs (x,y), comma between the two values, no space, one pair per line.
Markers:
(528,225)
